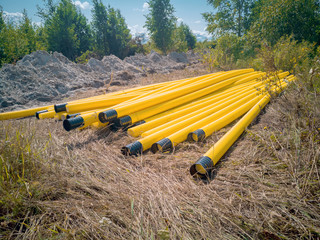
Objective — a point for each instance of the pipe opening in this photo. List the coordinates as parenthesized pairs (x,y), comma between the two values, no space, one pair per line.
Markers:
(132,149)
(202,167)
(162,145)
(39,112)
(73,123)
(197,135)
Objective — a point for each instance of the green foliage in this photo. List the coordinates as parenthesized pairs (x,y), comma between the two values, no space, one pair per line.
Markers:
(16,40)
(67,30)
(111,33)
(100,27)
(21,169)
(85,57)
(276,18)
(231,16)
(228,50)
(189,37)
(119,34)
(161,24)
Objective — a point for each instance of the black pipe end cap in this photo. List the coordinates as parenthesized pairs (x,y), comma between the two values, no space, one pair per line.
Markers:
(206,163)
(197,135)
(132,149)
(60,107)
(139,123)
(163,145)
(108,116)
(72,115)
(73,123)
(125,121)
(39,112)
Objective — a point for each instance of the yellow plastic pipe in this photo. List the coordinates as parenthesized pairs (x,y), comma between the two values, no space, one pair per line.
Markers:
(147,140)
(81,121)
(219,107)
(174,139)
(159,119)
(207,130)
(22,113)
(153,110)
(116,112)
(46,114)
(204,165)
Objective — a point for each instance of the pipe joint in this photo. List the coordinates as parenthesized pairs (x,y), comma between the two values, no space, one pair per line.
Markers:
(60,107)
(108,116)
(39,112)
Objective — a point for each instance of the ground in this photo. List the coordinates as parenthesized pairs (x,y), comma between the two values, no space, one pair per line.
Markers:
(78,185)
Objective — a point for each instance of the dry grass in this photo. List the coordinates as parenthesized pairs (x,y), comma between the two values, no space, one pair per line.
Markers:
(81,187)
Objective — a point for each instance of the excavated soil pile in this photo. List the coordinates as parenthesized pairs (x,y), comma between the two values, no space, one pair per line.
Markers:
(42,77)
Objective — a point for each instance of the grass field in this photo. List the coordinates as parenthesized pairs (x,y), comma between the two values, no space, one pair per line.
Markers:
(77,185)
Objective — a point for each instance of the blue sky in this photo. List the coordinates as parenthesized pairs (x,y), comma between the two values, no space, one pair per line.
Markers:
(185,10)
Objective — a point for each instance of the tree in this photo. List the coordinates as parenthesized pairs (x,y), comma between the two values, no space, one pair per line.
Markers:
(161,23)
(276,18)
(119,34)
(67,30)
(27,31)
(100,28)
(231,16)
(189,36)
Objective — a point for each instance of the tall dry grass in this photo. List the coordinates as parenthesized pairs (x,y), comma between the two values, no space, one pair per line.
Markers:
(77,185)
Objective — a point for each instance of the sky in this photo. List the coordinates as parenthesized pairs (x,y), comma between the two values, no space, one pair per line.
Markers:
(186,11)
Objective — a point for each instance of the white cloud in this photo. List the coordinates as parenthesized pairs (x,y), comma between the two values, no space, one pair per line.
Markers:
(197,22)
(137,29)
(84,6)
(202,35)
(13,18)
(13,15)
(145,8)
(179,20)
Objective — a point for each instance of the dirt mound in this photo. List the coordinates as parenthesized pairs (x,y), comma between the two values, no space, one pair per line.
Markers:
(43,77)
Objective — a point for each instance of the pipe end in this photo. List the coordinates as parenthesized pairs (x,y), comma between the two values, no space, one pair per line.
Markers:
(39,112)
(132,149)
(202,167)
(162,145)
(73,123)
(197,135)
(72,115)
(108,116)
(60,107)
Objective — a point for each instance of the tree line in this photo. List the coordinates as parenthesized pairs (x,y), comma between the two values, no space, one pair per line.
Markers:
(66,30)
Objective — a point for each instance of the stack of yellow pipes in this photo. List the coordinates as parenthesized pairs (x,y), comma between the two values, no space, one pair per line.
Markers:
(166,114)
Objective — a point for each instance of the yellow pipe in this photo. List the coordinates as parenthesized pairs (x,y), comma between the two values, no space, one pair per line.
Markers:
(159,121)
(219,121)
(153,110)
(219,107)
(156,124)
(116,112)
(147,141)
(47,114)
(22,113)
(81,121)
(204,165)
(207,130)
